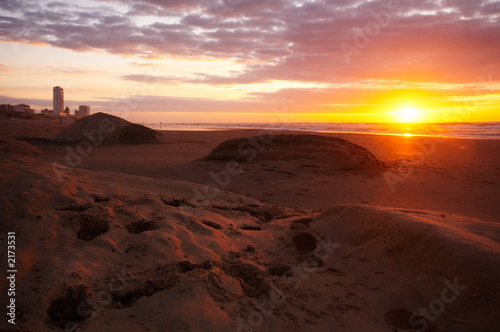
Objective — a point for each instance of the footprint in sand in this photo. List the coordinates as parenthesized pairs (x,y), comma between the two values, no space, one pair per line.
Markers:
(250,228)
(303,221)
(400,320)
(304,242)
(212,224)
(91,227)
(66,309)
(142,226)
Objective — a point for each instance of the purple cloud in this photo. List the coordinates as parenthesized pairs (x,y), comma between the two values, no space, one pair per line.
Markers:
(447,41)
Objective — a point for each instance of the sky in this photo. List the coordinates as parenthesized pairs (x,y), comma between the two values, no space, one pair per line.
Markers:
(204,61)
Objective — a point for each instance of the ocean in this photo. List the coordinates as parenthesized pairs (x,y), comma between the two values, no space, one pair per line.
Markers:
(480,130)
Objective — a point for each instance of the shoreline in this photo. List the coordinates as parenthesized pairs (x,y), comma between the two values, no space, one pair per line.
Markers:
(55,125)
(295,131)
(410,129)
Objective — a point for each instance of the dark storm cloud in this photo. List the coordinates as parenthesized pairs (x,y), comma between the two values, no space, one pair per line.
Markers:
(440,41)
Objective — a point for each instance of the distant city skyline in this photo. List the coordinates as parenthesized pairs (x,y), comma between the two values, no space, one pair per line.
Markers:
(58,107)
(209,61)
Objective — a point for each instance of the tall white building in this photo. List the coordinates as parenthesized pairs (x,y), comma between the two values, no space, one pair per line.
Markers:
(58,100)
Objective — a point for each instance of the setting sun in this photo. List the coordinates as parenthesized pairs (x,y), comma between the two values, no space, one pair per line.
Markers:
(409,113)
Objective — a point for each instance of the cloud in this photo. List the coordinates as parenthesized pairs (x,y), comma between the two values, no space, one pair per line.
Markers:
(151,79)
(142,64)
(356,97)
(69,70)
(3,68)
(411,40)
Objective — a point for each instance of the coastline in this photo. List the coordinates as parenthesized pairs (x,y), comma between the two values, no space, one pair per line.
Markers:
(479,130)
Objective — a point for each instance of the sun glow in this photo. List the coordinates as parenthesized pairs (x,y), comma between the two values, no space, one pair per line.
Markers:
(409,113)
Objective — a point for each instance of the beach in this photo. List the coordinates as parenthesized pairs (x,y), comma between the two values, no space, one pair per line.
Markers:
(453,175)
(356,232)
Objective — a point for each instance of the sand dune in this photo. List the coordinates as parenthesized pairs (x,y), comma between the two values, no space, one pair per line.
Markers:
(336,153)
(105,251)
(105,128)
(416,252)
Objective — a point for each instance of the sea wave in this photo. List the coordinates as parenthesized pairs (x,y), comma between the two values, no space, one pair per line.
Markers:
(480,130)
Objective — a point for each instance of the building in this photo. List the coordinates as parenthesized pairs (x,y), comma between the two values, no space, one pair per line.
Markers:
(7,108)
(83,110)
(24,108)
(66,111)
(47,112)
(58,100)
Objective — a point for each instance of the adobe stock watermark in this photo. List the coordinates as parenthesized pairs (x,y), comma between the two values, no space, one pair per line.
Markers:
(426,147)
(406,168)
(462,109)
(95,137)
(275,297)
(74,156)
(436,307)
(150,81)
(221,180)
(364,36)
(224,6)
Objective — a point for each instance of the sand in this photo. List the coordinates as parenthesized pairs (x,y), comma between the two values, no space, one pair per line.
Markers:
(336,153)
(102,128)
(157,237)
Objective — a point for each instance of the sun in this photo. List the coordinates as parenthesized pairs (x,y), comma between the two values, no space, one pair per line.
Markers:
(408,113)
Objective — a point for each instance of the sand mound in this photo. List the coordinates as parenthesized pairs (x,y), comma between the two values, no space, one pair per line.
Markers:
(105,128)
(20,147)
(338,153)
(450,266)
